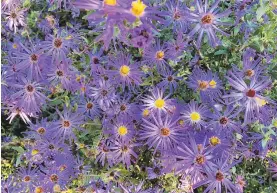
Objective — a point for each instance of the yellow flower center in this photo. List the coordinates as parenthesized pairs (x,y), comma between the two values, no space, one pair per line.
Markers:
(181,122)
(138,8)
(110,2)
(124,70)
(122,130)
(214,141)
(146,113)
(39,190)
(35,151)
(261,102)
(69,37)
(160,55)
(212,83)
(14,46)
(194,116)
(159,103)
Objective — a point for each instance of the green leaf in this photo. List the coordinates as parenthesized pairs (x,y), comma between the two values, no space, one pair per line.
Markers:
(19,149)
(264,142)
(220,52)
(260,12)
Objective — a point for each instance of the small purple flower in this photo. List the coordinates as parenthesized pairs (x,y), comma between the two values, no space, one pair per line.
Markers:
(15,18)
(194,157)
(195,114)
(56,46)
(222,119)
(206,21)
(156,54)
(105,153)
(176,15)
(124,72)
(123,151)
(141,36)
(248,96)
(27,177)
(169,80)
(219,176)
(89,107)
(207,84)
(32,60)
(39,129)
(161,133)
(155,171)
(157,102)
(122,128)
(69,121)
(60,73)
(29,95)
(104,94)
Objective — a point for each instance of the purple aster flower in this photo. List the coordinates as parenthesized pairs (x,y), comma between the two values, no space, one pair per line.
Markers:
(124,72)
(195,114)
(48,24)
(122,128)
(169,80)
(240,183)
(207,20)
(155,171)
(157,102)
(68,122)
(141,36)
(29,95)
(15,18)
(207,84)
(8,5)
(176,15)
(51,147)
(39,129)
(123,151)
(156,54)
(27,177)
(55,178)
(124,106)
(104,94)
(161,133)
(105,153)
(251,65)
(89,107)
(219,176)
(7,185)
(194,158)
(80,166)
(32,60)
(222,119)
(56,46)
(108,11)
(96,59)
(60,73)
(179,45)
(248,96)
(15,110)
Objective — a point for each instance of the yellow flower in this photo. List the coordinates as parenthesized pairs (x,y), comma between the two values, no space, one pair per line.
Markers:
(138,8)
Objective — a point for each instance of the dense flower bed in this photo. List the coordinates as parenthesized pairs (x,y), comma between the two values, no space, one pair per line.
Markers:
(139,96)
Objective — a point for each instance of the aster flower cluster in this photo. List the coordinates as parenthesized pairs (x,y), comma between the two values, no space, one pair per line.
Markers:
(138,96)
